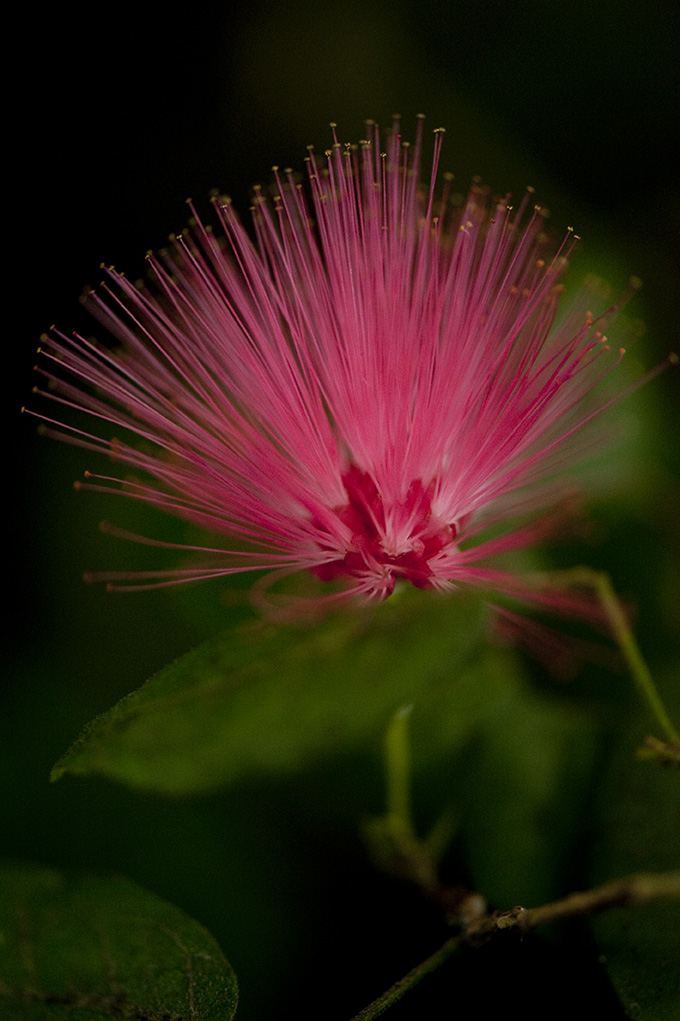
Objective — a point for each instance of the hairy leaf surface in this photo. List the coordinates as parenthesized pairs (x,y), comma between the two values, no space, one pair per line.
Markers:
(78,948)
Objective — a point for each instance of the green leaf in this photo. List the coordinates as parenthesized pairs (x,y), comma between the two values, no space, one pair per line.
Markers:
(273,699)
(639,831)
(77,948)
(528,782)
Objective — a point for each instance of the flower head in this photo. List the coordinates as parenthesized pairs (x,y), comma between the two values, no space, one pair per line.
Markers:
(357,389)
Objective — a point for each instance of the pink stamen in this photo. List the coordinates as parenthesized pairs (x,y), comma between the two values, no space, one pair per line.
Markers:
(357,389)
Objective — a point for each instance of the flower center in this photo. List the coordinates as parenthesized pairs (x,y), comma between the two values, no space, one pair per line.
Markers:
(388,542)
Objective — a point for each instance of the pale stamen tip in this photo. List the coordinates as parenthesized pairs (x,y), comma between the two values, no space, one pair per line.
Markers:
(673,358)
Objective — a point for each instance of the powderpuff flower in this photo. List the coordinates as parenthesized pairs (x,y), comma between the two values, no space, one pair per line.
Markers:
(367,386)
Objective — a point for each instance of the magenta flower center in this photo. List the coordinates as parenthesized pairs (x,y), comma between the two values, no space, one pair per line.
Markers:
(388,545)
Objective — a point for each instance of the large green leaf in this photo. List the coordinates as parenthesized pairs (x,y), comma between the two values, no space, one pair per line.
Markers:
(639,831)
(528,781)
(272,699)
(77,948)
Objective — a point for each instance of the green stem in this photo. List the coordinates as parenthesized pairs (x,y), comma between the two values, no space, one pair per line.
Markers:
(638,668)
(413,977)
(416,858)
(398,772)
(601,584)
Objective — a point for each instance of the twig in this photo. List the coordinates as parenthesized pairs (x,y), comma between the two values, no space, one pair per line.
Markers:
(413,977)
(600,583)
(637,889)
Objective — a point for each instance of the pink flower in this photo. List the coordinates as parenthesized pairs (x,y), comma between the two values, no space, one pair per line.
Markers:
(360,391)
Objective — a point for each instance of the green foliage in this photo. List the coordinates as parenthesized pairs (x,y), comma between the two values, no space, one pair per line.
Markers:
(639,830)
(515,768)
(77,948)
(530,774)
(265,699)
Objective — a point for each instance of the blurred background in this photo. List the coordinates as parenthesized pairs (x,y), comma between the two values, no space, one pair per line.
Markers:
(120,115)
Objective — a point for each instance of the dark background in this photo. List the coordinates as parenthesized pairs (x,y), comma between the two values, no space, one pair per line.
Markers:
(116,117)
